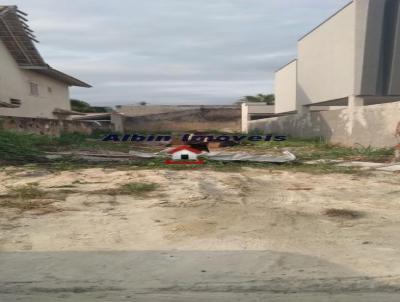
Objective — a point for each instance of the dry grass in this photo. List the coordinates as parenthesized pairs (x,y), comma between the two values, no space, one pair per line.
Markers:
(343,213)
(29,191)
(300,189)
(135,188)
(40,206)
(29,198)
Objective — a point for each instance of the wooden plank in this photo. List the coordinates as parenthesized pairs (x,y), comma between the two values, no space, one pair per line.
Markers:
(21,12)
(23,18)
(5,11)
(17,42)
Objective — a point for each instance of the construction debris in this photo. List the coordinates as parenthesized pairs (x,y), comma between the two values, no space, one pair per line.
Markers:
(103,157)
(144,154)
(244,156)
(137,155)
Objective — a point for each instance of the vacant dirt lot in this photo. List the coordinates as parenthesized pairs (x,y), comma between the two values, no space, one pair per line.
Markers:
(350,221)
(206,210)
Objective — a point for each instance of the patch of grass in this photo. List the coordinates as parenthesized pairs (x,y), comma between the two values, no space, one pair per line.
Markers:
(21,148)
(290,167)
(62,193)
(228,167)
(138,188)
(63,186)
(317,148)
(91,144)
(135,188)
(329,151)
(70,164)
(289,143)
(29,205)
(16,147)
(28,198)
(343,213)
(29,191)
(70,139)
(376,154)
(321,168)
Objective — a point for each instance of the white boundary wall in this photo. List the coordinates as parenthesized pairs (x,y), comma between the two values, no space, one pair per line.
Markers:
(374,125)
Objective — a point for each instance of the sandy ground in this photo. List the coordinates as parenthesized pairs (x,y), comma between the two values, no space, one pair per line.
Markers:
(206,212)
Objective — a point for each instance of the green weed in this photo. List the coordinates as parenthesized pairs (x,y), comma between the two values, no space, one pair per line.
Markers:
(130,189)
(29,191)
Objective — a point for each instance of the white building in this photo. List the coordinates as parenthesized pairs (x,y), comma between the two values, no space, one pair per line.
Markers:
(351,59)
(28,86)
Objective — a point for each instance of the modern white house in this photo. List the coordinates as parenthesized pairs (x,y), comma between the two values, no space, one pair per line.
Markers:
(351,59)
(344,85)
(29,87)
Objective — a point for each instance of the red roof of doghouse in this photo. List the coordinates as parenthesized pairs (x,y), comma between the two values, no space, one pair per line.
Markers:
(180,148)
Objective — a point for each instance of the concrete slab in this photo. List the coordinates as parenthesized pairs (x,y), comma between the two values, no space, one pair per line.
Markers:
(149,276)
(393,168)
(323,161)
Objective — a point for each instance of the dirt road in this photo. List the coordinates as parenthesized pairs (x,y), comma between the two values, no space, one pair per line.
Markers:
(250,235)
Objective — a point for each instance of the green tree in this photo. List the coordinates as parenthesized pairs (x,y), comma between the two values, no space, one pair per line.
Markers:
(81,106)
(268,99)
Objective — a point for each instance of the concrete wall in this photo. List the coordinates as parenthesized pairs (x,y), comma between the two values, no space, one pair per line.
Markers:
(15,83)
(286,88)
(138,110)
(45,126)
(326,60)
(201,119)
(250,110)
(373,125)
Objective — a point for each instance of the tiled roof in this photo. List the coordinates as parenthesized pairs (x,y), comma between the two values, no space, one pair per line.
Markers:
(20,41)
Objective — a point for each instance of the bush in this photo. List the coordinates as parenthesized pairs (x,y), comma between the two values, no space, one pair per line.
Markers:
(18,147)
(67,139)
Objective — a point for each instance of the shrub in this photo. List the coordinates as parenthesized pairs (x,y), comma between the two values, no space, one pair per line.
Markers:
(18,147)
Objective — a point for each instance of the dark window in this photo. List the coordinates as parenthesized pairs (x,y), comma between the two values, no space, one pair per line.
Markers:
(184,156)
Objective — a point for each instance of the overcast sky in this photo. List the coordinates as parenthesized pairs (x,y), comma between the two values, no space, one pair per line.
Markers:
(172,51)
